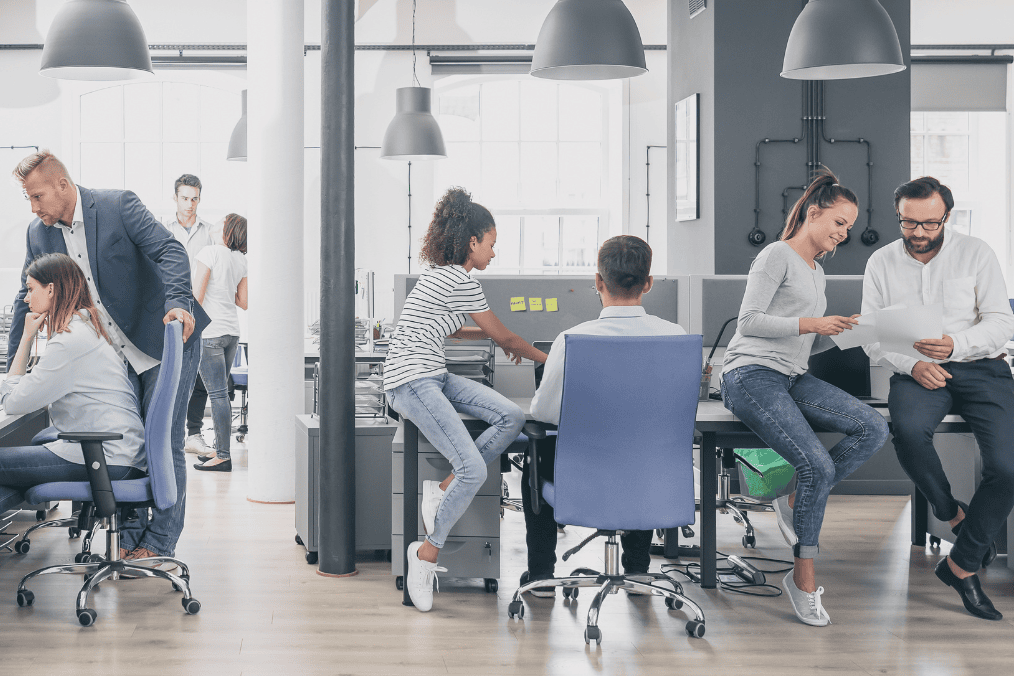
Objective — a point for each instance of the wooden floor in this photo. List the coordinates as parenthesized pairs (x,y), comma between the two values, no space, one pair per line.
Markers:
(265,611)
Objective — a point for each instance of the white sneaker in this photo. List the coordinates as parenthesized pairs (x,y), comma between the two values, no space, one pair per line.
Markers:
(807,605)
(195,444)
(783,515)
(432,496)
(421,577)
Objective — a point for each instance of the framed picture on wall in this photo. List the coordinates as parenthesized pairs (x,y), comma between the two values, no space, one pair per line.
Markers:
(688,159)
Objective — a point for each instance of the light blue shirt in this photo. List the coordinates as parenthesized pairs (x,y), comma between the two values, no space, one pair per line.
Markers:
(616,320)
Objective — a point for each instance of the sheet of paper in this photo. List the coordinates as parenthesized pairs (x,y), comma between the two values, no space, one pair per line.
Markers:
(863,333)
(535,304)
(551,305)
(899,329)
(518,304)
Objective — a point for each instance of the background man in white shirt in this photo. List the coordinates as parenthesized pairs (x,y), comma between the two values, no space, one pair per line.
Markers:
(194,234)
(963,371)
(622,279)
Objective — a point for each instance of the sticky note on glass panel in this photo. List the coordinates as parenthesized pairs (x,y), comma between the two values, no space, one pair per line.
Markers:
(518,304)
(551,305)
(535,304)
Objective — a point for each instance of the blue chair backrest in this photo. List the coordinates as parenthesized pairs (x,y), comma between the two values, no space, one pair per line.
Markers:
(158,421)
(624,454)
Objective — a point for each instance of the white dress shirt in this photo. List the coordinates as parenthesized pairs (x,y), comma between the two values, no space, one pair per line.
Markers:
(964,276)
(615,320)
(194,239)
(77,248)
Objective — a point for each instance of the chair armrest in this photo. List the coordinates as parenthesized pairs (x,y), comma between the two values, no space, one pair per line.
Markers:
(95,465)
(535,430)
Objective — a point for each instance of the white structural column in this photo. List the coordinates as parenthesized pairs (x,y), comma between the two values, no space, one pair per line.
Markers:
(275,171)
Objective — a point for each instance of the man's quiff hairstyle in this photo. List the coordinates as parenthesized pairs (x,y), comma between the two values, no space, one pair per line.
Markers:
(188,179)
(45,162)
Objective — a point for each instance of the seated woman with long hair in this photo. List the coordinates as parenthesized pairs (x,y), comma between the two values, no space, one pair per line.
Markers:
(79,378)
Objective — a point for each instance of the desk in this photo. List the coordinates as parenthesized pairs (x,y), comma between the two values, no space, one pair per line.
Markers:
(17,430)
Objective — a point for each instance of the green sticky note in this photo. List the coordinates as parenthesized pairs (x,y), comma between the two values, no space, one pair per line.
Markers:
(535,304)
(518,304)
(551,305)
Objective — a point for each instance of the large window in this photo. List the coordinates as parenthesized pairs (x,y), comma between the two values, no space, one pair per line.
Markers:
(537,155)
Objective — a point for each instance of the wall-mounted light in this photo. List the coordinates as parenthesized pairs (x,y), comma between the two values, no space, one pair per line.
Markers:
(588,40)
(95,40)
(237,141)
(842,39)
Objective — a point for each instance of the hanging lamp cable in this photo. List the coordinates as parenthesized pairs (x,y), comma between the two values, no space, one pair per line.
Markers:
(415,78)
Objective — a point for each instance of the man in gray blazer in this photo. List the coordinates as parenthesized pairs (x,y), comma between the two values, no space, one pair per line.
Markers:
(139,277)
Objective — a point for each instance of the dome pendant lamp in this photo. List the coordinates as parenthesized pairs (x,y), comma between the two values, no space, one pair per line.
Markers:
(588,40)
(237,141)
(413,134)
(95,40)
(842,39)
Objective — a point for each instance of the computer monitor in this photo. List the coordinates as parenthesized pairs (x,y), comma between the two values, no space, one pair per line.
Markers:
(848,370)
(545,346)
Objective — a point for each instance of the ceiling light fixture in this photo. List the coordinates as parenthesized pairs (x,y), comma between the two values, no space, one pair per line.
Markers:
(589,40)
(95,40)
(237,141)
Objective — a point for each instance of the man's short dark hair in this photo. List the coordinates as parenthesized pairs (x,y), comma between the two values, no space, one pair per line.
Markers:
(624,265)
(187,179)
(921,188)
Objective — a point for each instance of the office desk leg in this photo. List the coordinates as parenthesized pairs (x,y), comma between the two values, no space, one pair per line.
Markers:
(410,516)
(709,489)
(920,517)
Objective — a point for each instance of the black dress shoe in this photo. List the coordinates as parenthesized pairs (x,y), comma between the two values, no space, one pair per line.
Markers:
(975,600)
(220,467)
(990,554)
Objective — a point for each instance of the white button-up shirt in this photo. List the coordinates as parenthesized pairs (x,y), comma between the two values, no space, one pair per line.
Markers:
(615,320)
(964,276)
(194,239)
(77,248)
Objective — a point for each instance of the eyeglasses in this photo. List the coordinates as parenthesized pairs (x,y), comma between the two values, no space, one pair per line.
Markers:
(928,226)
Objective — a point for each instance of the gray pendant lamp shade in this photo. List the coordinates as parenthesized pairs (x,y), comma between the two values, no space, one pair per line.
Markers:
(237,142)
(588,40)
(413,134)
(96,40)
(842,39)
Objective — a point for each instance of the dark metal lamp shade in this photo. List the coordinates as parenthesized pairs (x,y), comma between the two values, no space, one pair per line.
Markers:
(96,40)
(842,39)
(413,134)
(588,40)
(237,142)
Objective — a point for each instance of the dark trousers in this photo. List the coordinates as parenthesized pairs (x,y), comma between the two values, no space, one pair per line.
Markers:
(196,407)
(541,527)
(982,392)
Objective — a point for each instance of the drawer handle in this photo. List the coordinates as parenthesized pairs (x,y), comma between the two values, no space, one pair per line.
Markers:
(439,463)
(451,546)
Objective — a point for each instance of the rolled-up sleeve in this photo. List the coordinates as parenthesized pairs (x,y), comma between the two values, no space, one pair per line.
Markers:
(996,321)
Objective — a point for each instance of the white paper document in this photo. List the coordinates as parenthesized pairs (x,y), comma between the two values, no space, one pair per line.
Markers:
(896,329)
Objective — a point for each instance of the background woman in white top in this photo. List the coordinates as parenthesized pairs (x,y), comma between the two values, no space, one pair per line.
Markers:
(220,287)
(79,378)
(460,238)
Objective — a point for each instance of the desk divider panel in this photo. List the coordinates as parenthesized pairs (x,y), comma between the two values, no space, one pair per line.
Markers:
(575,297)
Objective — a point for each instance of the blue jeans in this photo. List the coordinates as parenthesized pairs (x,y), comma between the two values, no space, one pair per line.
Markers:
(160,532)
(216,364)
(433,404)
(780,410)
(22,467)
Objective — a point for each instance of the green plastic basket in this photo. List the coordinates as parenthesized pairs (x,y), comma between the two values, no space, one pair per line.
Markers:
(777,472)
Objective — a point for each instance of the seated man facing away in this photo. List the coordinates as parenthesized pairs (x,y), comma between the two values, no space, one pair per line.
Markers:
(622,278)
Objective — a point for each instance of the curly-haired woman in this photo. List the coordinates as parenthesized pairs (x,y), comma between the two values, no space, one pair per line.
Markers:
(460,239)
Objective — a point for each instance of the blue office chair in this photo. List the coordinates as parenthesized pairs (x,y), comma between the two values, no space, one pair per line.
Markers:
(112,498)
(624,457)
(240,374)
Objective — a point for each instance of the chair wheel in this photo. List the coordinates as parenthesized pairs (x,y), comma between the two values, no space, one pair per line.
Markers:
(86,617)
(491,585)
(73,532)
(22,546)
(750,541)
(592,634)
(40,515)
(311,557)
(934,542)
(192,606)
(299,540)
(81,557)
(695,629)
(673,604)
(25,598)
(516,609)
(570,592)
(92,558)
(399,582)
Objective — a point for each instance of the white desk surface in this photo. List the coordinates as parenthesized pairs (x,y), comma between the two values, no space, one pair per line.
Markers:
(715,411)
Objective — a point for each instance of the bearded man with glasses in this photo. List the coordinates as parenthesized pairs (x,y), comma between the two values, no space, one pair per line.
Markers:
(964,371)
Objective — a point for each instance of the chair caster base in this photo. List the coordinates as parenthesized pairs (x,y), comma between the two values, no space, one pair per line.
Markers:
(695,629)
(192,606)
(25,598)
(87,617)
(592,634)
(516,609)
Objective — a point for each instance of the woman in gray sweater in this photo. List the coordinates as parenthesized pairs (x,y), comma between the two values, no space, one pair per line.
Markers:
(765,383)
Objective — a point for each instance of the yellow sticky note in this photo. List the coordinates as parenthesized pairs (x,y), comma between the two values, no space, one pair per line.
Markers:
(518,304)
(535,304)
(551,305)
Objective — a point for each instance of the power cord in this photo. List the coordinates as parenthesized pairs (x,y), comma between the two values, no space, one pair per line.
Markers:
(692,572)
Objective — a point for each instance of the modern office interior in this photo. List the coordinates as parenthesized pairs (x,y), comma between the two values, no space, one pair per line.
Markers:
(289,110)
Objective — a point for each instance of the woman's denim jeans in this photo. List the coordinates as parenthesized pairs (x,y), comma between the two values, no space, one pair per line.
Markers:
(216,365)
(22,467)
(782,410)
(433,404)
